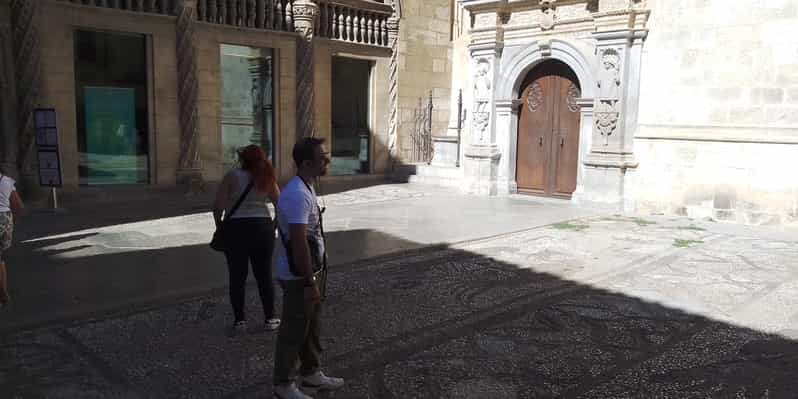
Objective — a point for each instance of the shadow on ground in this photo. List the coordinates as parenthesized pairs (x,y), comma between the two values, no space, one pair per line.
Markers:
(436,322)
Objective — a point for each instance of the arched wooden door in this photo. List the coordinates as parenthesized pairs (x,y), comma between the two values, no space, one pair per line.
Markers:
(548,131)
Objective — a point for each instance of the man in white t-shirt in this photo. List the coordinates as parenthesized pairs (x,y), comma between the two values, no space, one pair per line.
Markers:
(301,271)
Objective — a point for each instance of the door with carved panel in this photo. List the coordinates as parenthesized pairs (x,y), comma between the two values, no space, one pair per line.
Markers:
(548,131)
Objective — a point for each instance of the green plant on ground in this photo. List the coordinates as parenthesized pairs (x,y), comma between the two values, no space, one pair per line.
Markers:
(643,222)
(692,227)
(569,226)
(680,243)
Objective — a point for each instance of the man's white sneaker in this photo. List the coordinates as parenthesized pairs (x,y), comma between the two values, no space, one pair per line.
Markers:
(289,392)
(320,382)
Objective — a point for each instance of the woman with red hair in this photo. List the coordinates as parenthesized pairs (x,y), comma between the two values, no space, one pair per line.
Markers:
(249,231)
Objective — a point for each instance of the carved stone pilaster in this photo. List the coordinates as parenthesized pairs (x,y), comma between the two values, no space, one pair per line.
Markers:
(305,13)
(27,68)
(190,165)
(393,88)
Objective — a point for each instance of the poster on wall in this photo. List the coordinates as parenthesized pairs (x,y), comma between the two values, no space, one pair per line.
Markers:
(111,139)
(44,120)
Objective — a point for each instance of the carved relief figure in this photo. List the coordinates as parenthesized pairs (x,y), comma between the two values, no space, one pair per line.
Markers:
(611,61)
(482,95)
(482,83)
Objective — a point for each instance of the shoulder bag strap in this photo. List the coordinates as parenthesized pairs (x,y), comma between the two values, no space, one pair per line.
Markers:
(240,200)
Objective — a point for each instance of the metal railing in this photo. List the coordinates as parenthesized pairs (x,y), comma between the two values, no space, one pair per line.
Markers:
(422,150)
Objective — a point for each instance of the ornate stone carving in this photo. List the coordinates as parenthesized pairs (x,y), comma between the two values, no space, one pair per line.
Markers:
(393,88)
(534,97)
(304,20)
(606,118)
(27,67)
(480,122)
(549,18)
(189,161)
(571,97)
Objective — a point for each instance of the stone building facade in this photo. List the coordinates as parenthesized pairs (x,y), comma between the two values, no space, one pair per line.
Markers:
(161,92)
(665,106)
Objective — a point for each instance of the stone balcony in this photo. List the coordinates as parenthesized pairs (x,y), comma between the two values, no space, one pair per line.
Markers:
(362,22)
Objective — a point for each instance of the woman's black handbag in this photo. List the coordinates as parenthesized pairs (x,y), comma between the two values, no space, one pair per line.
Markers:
(218,242)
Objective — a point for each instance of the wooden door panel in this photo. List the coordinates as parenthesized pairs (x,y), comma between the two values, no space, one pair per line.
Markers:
(548,131)
(534,130)
(567,137)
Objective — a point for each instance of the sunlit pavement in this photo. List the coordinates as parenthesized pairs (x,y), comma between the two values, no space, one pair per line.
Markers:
(556,301)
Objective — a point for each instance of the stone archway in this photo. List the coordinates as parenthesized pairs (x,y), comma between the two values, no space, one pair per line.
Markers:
(516,66)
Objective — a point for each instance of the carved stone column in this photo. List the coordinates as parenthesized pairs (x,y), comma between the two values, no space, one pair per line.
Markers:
(393,88)
(611,161)
(305,14)
(190,165)
(27,68)
(483,154)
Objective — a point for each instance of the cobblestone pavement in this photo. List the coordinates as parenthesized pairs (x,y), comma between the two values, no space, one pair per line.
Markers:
(591,308)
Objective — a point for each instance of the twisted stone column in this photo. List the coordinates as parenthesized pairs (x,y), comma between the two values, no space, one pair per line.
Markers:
(393,87)
(190,165)
(27,67)
(305,14)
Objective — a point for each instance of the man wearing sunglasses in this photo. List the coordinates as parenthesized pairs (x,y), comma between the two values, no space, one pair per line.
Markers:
(301,271)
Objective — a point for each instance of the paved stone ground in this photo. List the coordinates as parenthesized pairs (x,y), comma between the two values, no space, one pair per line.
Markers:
(599,307)
(100,257)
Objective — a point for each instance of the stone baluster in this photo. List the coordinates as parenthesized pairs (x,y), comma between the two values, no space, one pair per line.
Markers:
(222,11)
(341,34)
(151,6)
(356,23)
(350,31)
(289,15)
(189,164)
(323,20)
(213,11)
(202,10)
(373,25)
(261,11)
(233,12)
(305,12)
(386,33)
